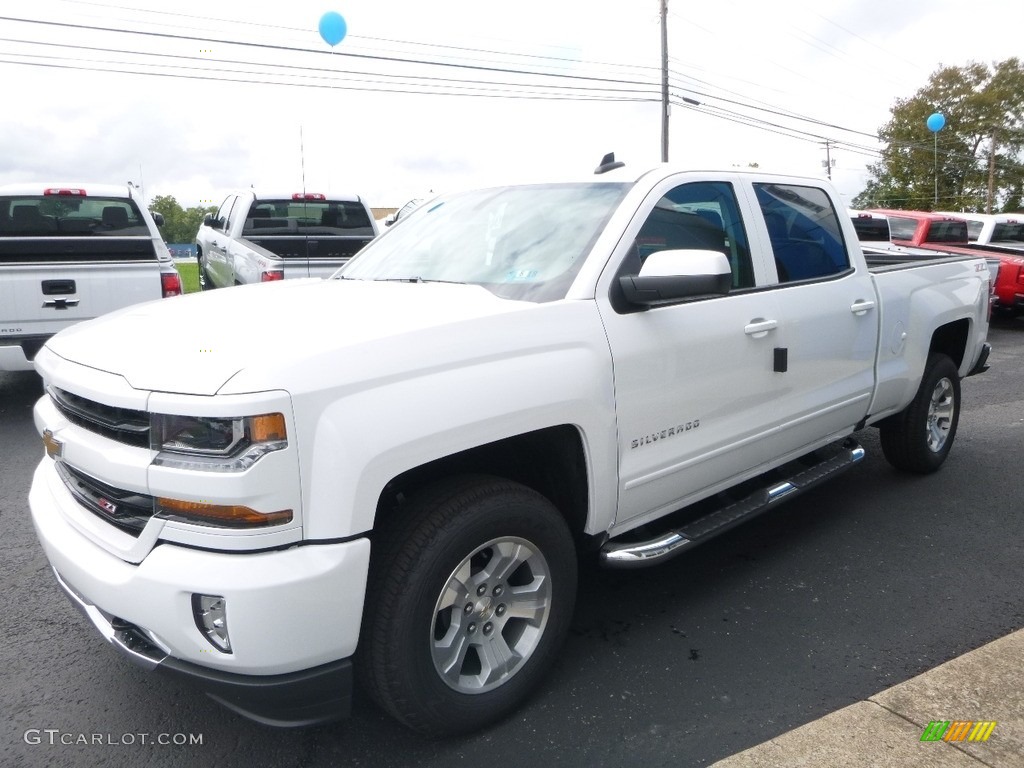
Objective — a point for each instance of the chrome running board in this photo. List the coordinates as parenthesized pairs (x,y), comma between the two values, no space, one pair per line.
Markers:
(640,554)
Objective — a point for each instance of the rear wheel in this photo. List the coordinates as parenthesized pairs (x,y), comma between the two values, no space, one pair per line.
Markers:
(920,437)
(470,597)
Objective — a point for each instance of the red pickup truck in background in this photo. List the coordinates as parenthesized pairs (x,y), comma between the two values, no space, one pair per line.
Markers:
(948,234)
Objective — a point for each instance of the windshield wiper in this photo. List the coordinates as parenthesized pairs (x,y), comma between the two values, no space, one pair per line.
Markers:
(417,279)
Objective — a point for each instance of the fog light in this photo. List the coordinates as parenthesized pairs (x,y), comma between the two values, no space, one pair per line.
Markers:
(210,612)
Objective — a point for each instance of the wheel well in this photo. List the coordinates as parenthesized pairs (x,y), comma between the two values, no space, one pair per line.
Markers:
(550,461)
(951,340)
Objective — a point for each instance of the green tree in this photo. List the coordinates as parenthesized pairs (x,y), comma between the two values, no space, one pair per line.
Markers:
(180,225)
(973,163)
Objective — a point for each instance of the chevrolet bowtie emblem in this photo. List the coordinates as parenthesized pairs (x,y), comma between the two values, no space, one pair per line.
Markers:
(54,447)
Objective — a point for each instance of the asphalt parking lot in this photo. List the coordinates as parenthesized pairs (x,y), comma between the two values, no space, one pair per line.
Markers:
(861,584)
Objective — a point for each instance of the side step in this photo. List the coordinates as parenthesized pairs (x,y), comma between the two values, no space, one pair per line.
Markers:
(640,554)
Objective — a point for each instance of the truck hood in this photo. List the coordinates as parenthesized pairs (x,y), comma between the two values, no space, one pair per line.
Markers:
(195,344)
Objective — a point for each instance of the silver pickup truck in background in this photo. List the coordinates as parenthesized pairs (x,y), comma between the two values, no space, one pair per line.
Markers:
(69,253)
(256,238)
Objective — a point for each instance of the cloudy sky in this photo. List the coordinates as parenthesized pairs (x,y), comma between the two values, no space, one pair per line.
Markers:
(193,99)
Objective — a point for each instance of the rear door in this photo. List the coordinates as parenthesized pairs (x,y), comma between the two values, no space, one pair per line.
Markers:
(828,318)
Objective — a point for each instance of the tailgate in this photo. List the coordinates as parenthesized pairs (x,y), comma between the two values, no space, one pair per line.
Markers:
(46,285)
(311,255)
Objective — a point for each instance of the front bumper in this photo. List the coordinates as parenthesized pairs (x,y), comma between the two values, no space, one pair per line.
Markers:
(293,614)
(295,699)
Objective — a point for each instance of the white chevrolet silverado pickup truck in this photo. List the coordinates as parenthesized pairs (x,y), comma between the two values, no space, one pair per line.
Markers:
(70,252)
(392,481)
(257,237)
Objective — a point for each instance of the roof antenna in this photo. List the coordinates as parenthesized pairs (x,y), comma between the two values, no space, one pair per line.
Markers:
(302,155)
(608,163)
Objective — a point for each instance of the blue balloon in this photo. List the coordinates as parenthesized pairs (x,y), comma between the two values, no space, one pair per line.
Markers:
(333,27)
(935,122)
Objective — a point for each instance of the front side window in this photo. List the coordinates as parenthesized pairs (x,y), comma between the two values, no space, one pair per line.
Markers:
(804,231)
(698,216)
(525,242)
(70,216)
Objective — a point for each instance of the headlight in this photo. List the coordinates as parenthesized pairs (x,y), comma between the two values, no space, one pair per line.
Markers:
(220,445)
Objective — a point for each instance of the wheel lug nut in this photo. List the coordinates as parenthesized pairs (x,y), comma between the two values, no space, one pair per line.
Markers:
(488,627)
(469,608)
(500,610)
(481,589)
(471,628)
(498,590)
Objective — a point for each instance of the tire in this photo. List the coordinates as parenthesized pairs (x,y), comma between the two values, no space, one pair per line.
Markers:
(470,597)
(919,438)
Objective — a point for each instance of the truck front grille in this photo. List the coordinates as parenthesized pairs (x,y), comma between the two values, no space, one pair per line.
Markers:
(122,424)
(127,510)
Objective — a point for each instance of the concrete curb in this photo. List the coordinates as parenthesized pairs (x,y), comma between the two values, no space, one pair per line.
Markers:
(985,684)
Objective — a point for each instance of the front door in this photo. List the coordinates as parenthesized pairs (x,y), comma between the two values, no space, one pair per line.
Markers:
(693,380)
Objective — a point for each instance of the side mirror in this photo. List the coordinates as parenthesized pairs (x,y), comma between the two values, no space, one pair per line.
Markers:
(668,276)
(212,221)
(390,219)
(158,218)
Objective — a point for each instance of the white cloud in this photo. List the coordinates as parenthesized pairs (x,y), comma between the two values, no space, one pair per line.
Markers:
(844,63)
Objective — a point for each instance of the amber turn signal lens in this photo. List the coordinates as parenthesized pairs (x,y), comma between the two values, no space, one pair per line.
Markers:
(225,516)
(268,427)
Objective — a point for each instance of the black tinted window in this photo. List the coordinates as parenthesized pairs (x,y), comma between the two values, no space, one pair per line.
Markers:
(699,216)
(69,216)
(804,231)
(304,217)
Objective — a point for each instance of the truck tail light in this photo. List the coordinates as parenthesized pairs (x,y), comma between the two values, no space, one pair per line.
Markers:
(65,191)
(271,274)
(170,282)
(309,196)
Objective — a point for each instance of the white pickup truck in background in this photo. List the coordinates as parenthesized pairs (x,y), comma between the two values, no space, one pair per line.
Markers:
(1002,229)
(394,479)
(70,252)
(256,237)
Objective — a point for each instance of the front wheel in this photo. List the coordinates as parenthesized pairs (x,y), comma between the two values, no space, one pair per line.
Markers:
(919,438)
(470,597)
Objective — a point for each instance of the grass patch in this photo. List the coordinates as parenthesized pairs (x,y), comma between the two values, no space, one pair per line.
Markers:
(189,272)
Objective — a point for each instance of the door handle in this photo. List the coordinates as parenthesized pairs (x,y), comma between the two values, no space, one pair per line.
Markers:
(759,327)
(861,306)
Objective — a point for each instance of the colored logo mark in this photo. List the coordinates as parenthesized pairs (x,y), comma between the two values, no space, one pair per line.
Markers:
(958,730)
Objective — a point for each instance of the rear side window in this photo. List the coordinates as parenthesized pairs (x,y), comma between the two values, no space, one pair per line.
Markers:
(305,217)
(804,231)
(70,216)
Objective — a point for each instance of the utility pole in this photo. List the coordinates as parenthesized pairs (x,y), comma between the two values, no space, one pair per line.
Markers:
(664,81)
(991,173)
(829,162)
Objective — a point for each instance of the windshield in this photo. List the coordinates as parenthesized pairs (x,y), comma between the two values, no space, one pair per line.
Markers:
(524,242)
